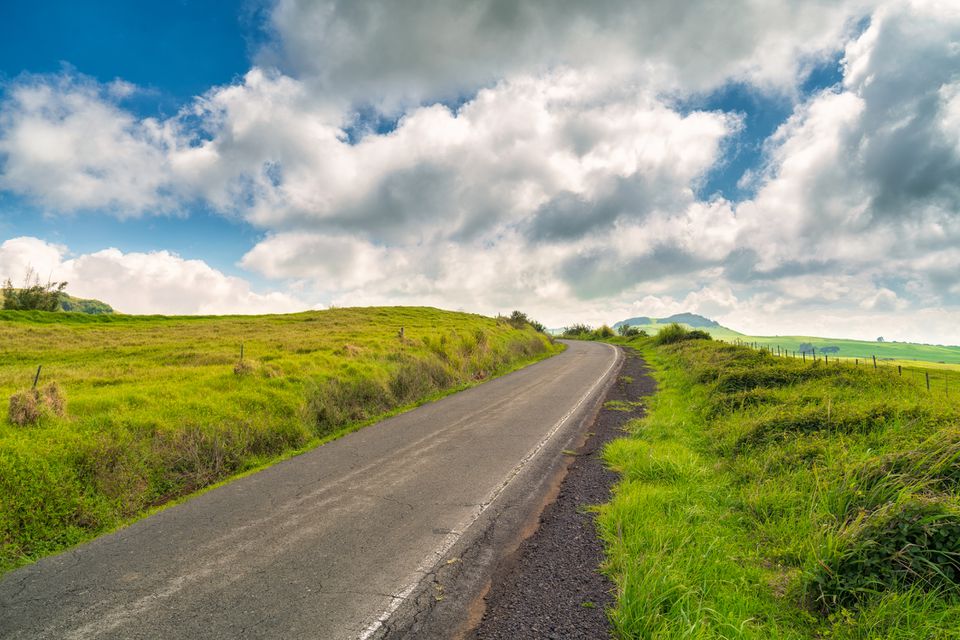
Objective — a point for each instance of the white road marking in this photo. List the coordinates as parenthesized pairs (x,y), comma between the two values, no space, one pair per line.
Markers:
(431,560)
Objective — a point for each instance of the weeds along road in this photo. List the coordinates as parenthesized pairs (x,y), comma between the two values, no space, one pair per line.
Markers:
(340,542)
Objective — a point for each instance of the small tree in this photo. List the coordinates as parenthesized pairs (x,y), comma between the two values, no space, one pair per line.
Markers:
(518,319)
(33,296)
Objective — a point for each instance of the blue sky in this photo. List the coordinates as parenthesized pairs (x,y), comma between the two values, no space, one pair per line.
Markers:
(178,50)
(583,164)
(174,50)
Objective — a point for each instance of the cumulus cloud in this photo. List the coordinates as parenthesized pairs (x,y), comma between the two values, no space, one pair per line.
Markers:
(66,144)
(551,172)
(155,282)
(387,51)
(865,178)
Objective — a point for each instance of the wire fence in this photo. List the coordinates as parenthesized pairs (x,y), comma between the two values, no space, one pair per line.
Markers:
(942,380)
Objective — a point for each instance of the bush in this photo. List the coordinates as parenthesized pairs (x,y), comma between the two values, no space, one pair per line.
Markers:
(604,332)
(28,406)
(912,544)
(519,320)
(578,330)
(336,403)
(676,333)
(628,331)
(33,296)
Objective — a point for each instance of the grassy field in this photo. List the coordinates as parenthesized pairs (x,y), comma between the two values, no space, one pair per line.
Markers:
(160,407)
(863,349)
(764,497)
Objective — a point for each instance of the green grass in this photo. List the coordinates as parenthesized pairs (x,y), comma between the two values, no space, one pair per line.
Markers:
(762,497)
(862,349)
(158,408)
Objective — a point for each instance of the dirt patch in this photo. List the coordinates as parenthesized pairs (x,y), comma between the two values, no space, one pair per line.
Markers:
(550,587)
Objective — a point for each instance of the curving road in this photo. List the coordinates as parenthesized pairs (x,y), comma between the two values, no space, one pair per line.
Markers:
(340,542)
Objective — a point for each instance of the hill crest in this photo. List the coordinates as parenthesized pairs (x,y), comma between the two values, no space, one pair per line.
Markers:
(693,320)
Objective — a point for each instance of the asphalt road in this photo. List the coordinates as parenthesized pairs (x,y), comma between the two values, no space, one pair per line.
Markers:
(335,543)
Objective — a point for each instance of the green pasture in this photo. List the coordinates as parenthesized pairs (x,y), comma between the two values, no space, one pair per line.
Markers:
(863,349)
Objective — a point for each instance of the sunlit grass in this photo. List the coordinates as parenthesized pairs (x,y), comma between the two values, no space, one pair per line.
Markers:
(767,498)
(158,407)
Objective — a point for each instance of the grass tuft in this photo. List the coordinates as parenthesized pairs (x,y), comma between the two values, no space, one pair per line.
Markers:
(28,406)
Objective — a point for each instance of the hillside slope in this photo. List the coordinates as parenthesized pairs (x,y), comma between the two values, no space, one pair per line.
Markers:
(159,407)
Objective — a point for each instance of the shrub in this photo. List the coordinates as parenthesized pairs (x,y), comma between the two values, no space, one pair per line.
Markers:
(33,296)
(578,330)
(333,404)
(628,331)
(604,332)
(519,320)
(676,333)
(911,544)
(28,406)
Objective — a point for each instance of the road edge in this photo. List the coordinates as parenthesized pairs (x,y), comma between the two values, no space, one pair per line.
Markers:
(437,601)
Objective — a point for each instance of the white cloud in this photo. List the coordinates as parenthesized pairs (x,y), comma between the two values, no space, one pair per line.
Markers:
(380,50)
(565,180)
(66,145)
(155,282)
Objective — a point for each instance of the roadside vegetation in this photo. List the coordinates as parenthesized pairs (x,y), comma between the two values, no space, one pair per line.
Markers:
(130,413)
(585,332)
(765,497)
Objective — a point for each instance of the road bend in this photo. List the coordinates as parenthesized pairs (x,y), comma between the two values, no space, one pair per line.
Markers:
(334,543)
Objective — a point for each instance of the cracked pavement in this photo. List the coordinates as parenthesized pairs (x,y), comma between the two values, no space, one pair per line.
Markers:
(331,543)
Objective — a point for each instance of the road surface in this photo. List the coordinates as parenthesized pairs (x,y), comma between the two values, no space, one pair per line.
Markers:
(335,543)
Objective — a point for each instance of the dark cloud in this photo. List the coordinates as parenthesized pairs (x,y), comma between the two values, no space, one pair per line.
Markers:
(569,216)
(741,267)
(430,48)
(599,273)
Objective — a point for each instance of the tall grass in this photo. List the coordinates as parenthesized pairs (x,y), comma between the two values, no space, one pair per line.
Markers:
(767,498)
(161,407)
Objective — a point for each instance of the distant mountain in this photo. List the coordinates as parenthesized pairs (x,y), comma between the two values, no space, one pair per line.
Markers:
(635,321)
(689,319)
(84,305)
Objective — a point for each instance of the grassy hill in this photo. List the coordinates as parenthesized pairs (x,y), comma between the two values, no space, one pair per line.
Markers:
(159,407)
(863,349)
(767,497)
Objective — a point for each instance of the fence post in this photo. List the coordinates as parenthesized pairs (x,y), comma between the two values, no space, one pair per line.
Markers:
(241,352)
(874,362)
(856,362)
(900,370)
(927,373)
(36,378)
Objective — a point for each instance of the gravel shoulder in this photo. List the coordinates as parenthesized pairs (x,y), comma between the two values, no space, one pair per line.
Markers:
(550,587)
